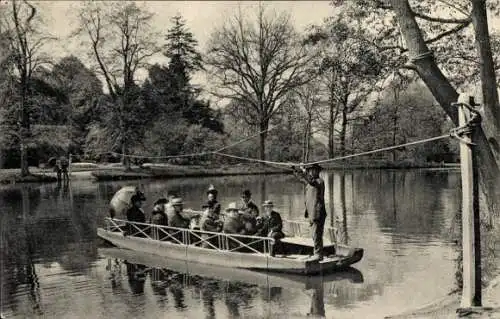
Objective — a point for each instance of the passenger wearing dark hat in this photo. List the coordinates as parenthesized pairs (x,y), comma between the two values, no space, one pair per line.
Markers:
(247,205)
(271,225)
(315,204)
(136,214)
(212,204)
(158,217)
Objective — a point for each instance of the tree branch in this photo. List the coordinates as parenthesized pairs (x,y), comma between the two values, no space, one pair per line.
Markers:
(442,20)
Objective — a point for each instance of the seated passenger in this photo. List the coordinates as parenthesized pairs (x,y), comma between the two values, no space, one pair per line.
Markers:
(136,214)
(233,223)
(169,209)
(177,220)
(247,205)
(212,202)
(249,224)
(271,225)
(158,217)
(210,222)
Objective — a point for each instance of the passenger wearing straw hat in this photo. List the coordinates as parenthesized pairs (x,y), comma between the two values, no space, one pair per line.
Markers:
(233,224)
(272,226)
(315,204)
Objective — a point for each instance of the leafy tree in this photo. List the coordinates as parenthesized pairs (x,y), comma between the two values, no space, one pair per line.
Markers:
(422,32)
(255,64)
(181,47)
(403,116)
(121,41)
(84,90)
(20,29)
(350,67)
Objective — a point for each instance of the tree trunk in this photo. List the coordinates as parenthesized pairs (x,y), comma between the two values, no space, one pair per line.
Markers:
(24,129)
(491,121)
(445,95)
(331,131)
(262,139)
(343,131)
(307,139)
(488,77)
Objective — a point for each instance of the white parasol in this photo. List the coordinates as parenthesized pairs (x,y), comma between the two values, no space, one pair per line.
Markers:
(121,200)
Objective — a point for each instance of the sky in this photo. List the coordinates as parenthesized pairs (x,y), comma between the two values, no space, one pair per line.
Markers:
(201,17)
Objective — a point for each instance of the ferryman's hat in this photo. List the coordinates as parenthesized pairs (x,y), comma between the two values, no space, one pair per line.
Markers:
(176,201)
(212,190)
(268,203)
(314,166)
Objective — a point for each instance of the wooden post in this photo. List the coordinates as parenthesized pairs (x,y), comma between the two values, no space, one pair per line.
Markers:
(471,291)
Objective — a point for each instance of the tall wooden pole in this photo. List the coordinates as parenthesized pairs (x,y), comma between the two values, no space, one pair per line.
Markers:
(471,291)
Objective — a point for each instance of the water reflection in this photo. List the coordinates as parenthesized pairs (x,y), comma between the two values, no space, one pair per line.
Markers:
(403,220)
(237,290)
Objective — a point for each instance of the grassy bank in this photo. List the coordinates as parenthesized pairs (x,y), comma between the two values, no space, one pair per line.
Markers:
(161,171)
(10,177)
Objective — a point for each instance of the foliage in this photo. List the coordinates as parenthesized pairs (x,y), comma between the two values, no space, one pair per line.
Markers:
(121,41)
(349,66)
(403,116)
(21,31)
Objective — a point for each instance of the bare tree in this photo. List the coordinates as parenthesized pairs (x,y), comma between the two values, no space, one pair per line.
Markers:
(255,63)
(308,99)
(121,41)
(20,30)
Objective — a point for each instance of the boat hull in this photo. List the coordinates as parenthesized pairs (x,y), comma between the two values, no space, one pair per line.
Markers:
(252,261)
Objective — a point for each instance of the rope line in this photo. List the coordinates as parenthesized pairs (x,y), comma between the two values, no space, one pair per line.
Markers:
(454,133)
(288,164)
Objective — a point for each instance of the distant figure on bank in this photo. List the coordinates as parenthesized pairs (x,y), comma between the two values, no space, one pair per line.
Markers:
(136,214)
(64,168)
(58,170)
(212,203)
(247,205)
(158,217)
(315,204)
(271,225)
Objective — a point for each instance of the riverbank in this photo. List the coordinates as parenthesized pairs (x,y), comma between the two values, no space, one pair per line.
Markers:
(108,172)
(447,306)
(162,171)
(14,177)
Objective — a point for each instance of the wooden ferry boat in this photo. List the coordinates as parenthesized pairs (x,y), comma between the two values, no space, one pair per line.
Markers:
(230,250)
(259,278)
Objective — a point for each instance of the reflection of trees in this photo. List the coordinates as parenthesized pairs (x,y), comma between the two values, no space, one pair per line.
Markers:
(407,202)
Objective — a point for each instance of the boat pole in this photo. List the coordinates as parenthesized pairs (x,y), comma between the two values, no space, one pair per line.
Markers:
(471,244)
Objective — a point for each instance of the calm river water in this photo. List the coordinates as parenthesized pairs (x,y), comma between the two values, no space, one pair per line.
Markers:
(54,266)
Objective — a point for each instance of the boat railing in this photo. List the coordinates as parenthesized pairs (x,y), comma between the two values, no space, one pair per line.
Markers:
(299,228)
(219,241)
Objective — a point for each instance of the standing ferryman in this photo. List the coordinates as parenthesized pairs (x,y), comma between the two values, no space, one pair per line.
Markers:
(315,204)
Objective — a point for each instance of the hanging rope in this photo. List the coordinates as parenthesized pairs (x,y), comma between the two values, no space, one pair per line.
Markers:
(453,133)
